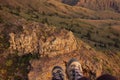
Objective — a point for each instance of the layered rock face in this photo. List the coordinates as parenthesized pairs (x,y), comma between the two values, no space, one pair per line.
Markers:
(95,4)
(46,41)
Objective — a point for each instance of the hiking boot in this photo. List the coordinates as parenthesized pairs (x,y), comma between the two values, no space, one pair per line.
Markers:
(57,73)
(74,70)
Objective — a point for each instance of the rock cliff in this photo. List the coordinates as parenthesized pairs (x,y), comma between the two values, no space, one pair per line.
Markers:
(52,45)
(95,4)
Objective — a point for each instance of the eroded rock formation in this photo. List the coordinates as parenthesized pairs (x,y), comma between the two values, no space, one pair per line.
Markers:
(46,41)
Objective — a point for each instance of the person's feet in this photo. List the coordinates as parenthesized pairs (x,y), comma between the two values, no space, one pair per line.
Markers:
(57,73)
(74,70)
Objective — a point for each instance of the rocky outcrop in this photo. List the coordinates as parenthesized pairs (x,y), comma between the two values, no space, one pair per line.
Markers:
(46,41)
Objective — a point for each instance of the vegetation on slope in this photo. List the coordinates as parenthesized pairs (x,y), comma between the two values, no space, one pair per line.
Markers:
(64,16)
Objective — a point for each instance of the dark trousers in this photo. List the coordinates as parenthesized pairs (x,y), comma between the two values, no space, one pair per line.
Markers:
(103,77)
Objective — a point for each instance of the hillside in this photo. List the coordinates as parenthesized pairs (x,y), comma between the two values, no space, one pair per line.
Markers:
(33,32)
(53,12)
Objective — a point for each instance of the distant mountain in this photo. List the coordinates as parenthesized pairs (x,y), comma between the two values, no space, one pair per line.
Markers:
(95,4)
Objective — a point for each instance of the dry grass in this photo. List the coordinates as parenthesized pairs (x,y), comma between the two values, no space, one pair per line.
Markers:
(117,28)
(101,23)
(54,6)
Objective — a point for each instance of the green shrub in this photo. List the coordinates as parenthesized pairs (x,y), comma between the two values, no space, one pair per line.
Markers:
(1,20)
(9,63)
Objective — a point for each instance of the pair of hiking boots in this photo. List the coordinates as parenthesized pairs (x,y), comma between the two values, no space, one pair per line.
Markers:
(73,70)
